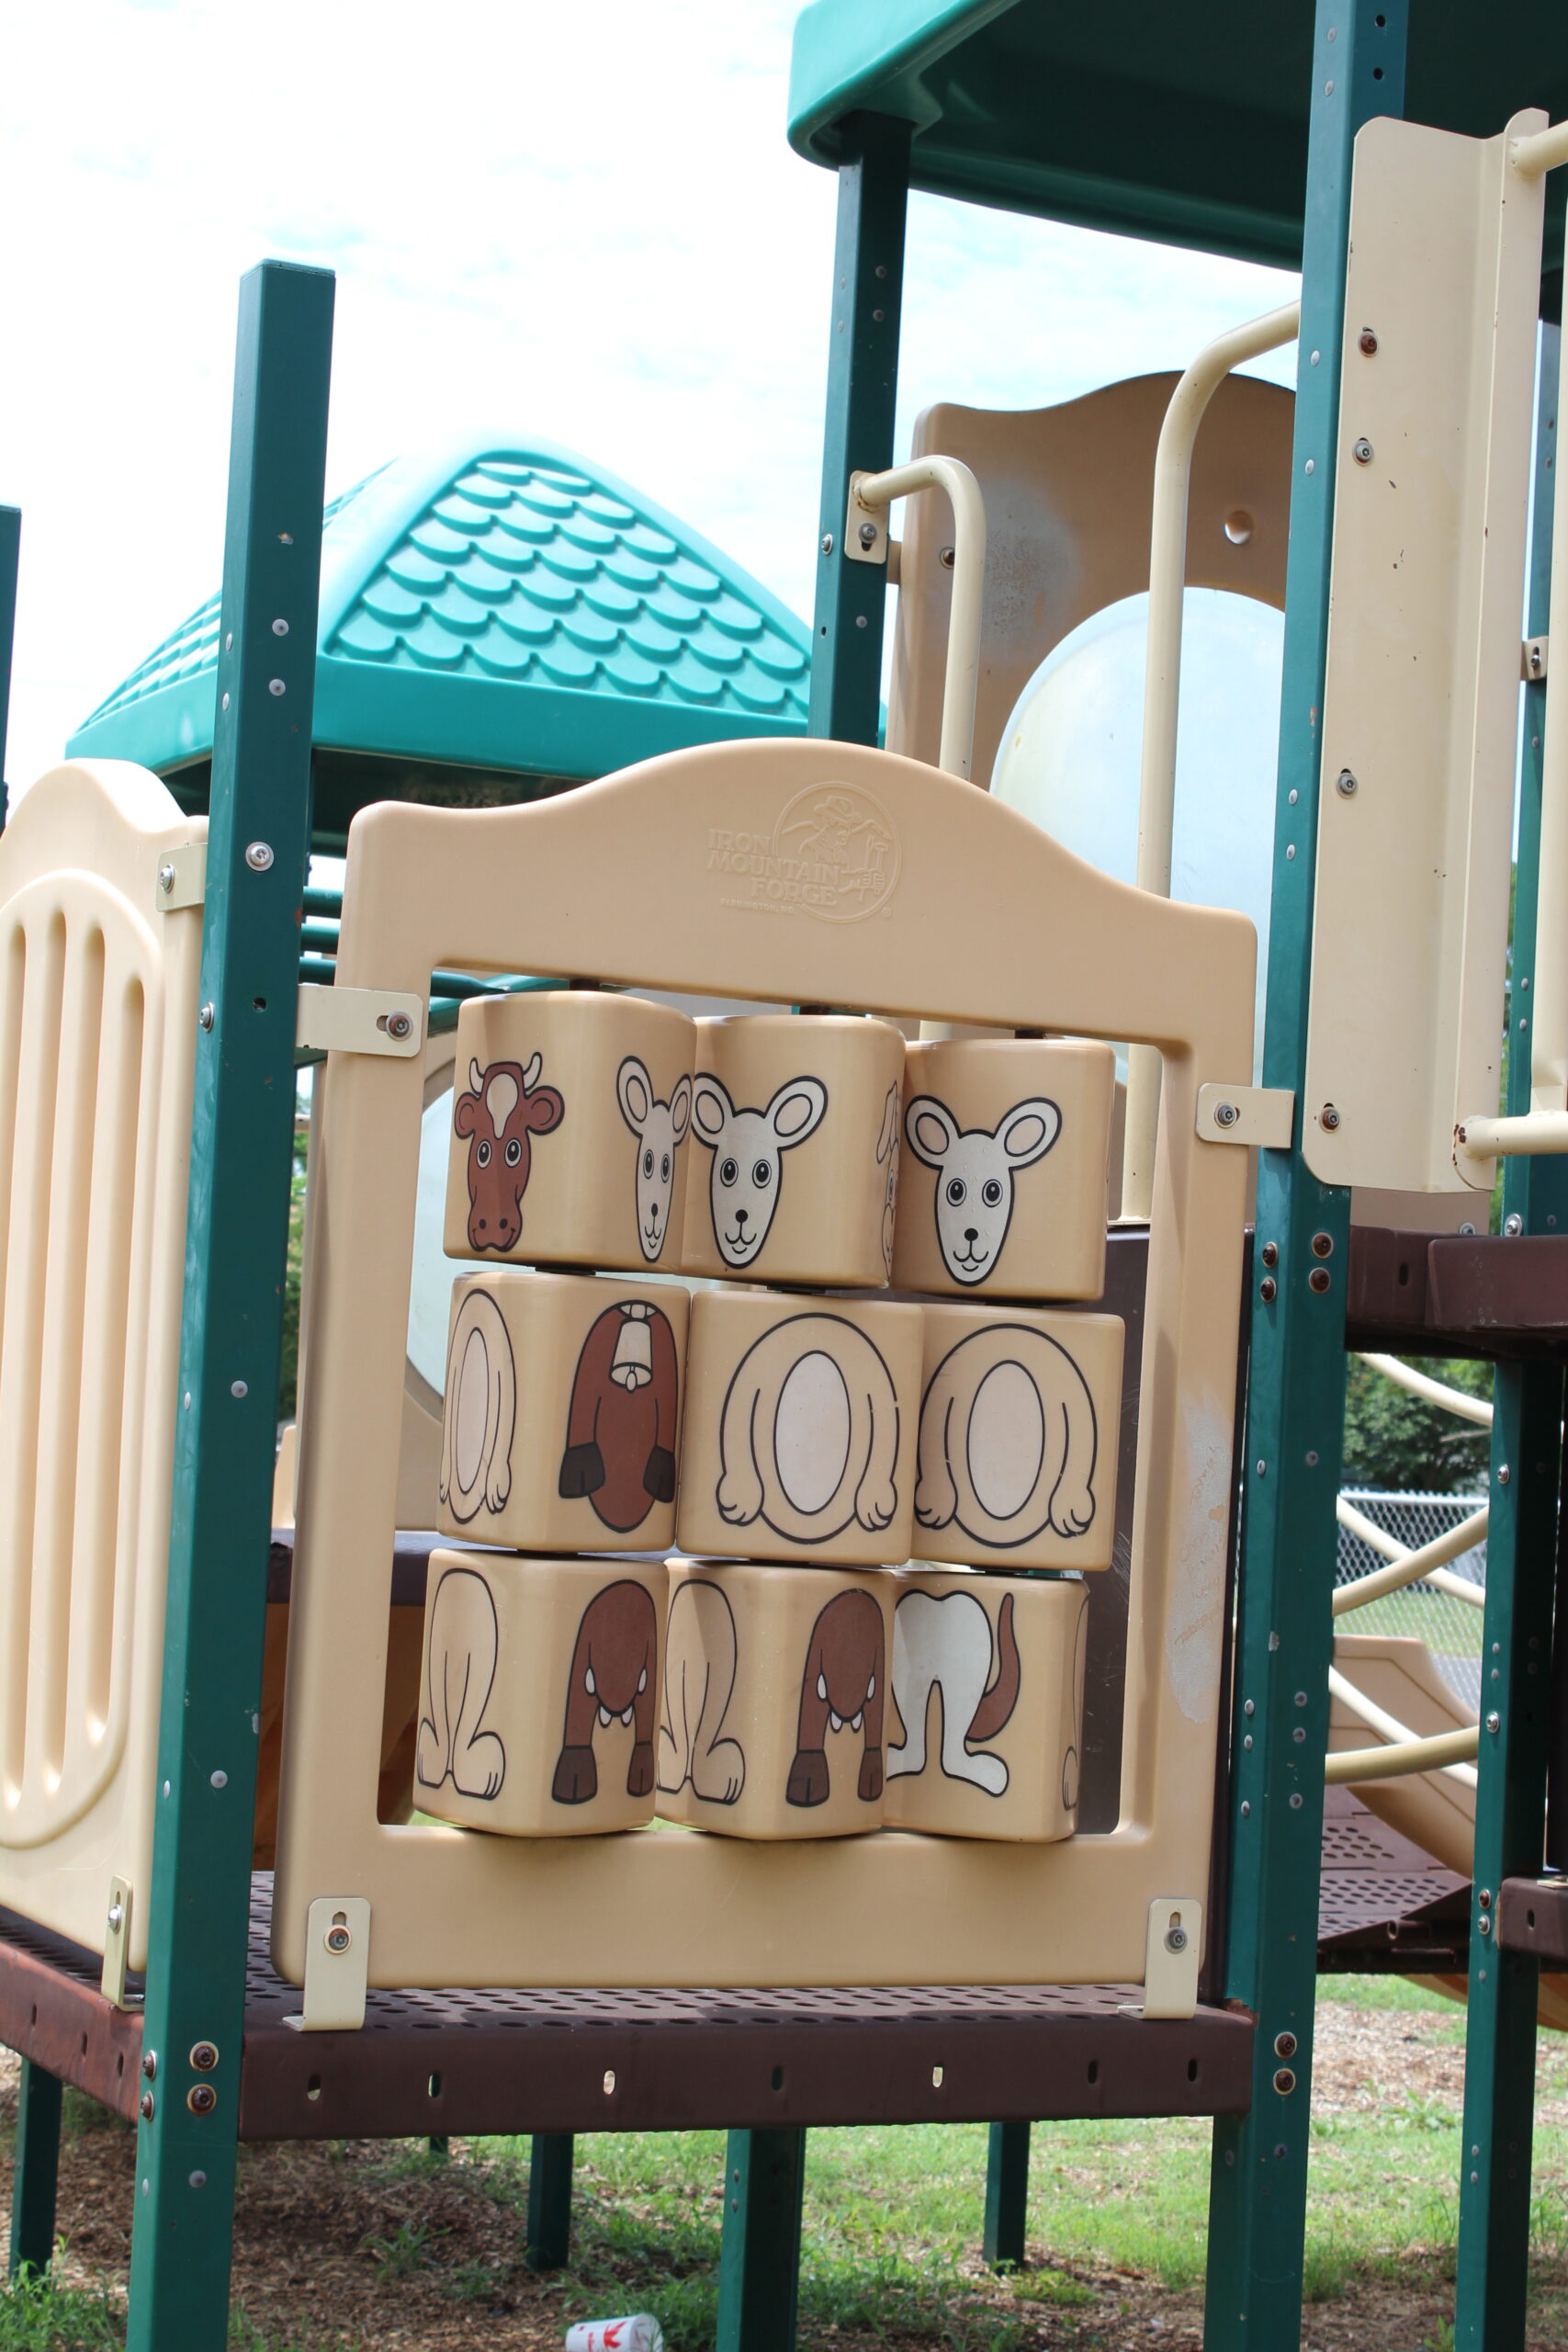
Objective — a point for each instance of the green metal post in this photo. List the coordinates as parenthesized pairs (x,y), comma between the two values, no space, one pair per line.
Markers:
(1006,2194)
(1521,1547)
(1296,1380)
(10,556)
(863,385)
(759,2274)
(243,1137)
(36,2170)
(761,2233)
(548,2242)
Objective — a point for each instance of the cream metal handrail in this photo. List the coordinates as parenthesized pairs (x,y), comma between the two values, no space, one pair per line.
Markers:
(1446,1751)
(963,677)
(1543,151)
(1427,1565)
(1162,686)
(1434,1392)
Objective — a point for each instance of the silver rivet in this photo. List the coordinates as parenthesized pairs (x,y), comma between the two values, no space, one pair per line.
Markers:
(188,1400)
(221,1780)
(165,1788)
(1249,1707)
(1291,850)
(1312,1460)
(1298,1735)
(165,879)
(1261,1468)
(1296,1804)
(1315,358)
(229,642)
(338,1939)
(859,621)
(1310,466)
(206,1016)
(1494,1723)
(1503,1475)
(1361,451)
(225,702)
(1176,1939)
(149,2064)
(1516,1223)
(398,1025)
(868,535)
(1225,1114)
(280,629)
(1246,1807)
(117,1918)
(1485,1924)
(275,686)
(258,856)
(1300,1698)
(1345,783)
(826,542)
(238,1388)
(199,2180)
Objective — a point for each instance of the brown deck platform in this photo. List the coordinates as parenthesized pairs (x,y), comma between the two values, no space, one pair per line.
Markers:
(1532,1916)
(1458,1295)
(1384,1904)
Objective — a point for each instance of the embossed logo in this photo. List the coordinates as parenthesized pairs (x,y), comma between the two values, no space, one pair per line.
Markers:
(833,854)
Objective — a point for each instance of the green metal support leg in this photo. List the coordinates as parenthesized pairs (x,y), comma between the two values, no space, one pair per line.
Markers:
(243,1136)
(760,2270)
(1296,1382)
(548,2242)
(1521,1557)
(37,2170)
(1006,2194)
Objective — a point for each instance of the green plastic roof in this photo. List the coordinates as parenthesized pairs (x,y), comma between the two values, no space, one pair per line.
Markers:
(501,604)
(1186,123)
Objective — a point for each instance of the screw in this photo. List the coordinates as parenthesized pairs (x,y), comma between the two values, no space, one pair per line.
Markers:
(398,1025)
(201,2098)
(1267,1290)
(1284,2045)
(1503,1474)
(117,1918)
(275,686)
(1225,1114)
(1319,1279)
(219,1780)
(147,2106)
(337,1940)
(1368,341)
(199,2180)
(1323,1245)
(1513,1225)
(1345,783)
(1284,2082)
(149,2064)
(1484,1898)
(1535,660)
(1494,1723)
(868,535)
(1328,1117)
(826,542)
(280,629)
(1485,1924)
(166,880)
(1362,451)
(238,1388)
(258,857)
(206,1016)
(944,558)
(1176,1939)
(204,2056)
(1270,1254)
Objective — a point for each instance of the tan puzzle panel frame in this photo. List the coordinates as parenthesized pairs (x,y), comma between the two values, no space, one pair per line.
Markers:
(978,917)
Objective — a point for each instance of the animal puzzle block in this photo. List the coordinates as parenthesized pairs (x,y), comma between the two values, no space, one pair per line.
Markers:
(538,1701)
(1005,1179)
(570,1130)
(561,1419)
(795,1135)
(1015,1463)
(985,1734)
(799,1438)
(776,1682)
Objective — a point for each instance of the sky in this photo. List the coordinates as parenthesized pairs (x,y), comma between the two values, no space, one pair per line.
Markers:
(581,222)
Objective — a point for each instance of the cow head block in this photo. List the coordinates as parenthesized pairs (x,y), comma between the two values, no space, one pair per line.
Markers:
(503,1110)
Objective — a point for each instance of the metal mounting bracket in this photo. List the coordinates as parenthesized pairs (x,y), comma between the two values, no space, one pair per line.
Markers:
(1170,1961)
(1532,660)
(333,1020)
(117,1943)
(1248,1115)
(181,879)
(337,1965)
(865,527)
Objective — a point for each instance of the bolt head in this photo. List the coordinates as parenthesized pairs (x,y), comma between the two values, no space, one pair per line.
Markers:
(1367,341)
(1362,452)
(147,2106)
(1284,2082)
(1267,1290)
(275,686)
(398,1025)
(149,2064)
(1270,1254)
(204,2056)
(1494,1723)
(1503,1475)
(338,1940)
(1319,1279)
(1284,2045)
(280,629)
(826,542)
(201,2098)
(1513,1225)
(1328,1117)
(1176,1939)
(945,558)
(258,856)
(206,1016)
(868,535)
(1225,1114)
(117,1918)
(165,879)
(1345,783)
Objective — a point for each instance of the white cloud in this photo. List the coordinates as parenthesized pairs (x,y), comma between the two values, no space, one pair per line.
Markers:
(583,220)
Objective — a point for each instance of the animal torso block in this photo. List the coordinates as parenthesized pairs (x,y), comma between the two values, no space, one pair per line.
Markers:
(799,1440)
(570,1130)
(1003,1186)
(986,1731)
(1020,1421)
(775,1683)
(561,1421)
(795,1149)
(538,1703)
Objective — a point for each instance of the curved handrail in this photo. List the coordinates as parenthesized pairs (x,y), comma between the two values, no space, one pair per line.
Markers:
(1425,1565)
(1447,1751)
(1436,1392)
(963,677)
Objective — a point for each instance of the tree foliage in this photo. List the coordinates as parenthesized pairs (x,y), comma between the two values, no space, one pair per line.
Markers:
(1399,1443)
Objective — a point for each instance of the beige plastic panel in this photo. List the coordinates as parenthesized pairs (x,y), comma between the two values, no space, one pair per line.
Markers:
(795,1135)
(1068,496)
(1421,700)
(560,1427)
(1032,939)
(571,1145)
(1004,1183)
(1399,1675)
(1016,1453)
(987,1730)
(97,1034)
(775,1700)
(538,1695)
(799,1438)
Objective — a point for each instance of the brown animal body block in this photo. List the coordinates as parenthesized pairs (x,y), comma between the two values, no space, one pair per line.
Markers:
(799,1440)
(1004,1183)
(560,1424)
(985,1728)
(570,1130)
(1015,1455)
(539,1692)
(773,1719)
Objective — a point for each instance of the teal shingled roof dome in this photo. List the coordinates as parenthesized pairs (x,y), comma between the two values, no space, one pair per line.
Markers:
(501,604)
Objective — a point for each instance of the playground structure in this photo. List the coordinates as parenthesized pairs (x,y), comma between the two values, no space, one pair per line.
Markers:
(130,1762)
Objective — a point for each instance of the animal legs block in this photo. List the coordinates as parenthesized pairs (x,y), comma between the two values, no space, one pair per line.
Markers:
(796,1129)
(986,1731)
(1004,1185)
(799,1438)
(1016,1458)
(570,1123)
(774,1686)
(561,1418)
(538,1703)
